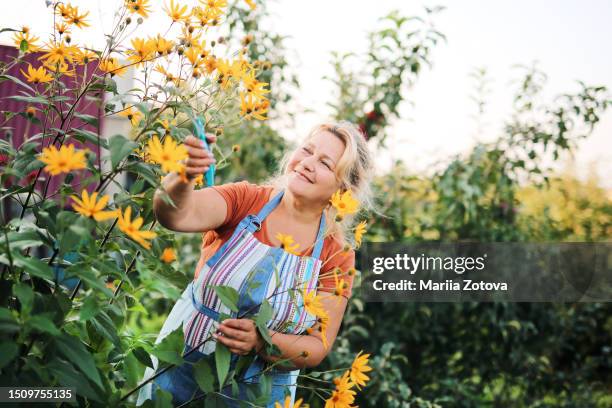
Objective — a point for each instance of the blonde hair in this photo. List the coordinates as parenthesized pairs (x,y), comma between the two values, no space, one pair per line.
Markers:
(354,171)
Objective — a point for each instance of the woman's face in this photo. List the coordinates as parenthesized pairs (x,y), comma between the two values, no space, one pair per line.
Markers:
(312,167)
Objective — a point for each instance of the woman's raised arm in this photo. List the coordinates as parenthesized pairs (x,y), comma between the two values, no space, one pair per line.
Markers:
(195,210)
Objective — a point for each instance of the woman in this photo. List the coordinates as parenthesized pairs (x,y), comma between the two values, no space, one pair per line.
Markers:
(242,248)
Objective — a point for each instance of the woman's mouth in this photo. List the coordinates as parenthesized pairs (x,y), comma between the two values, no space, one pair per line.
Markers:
(302,177)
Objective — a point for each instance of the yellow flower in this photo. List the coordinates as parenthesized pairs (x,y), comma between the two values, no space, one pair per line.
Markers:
(63,160)
(167,124)
(59,68)
(163,46)
(251,4)
(77,19)
(140,7)
(208,16)
(312,303)
(134,115)
(360,229)
(169,76)
(340,285)
(215,6)
(344,383)
(344,203)
(193,56)
(31,45)
(83,56)
(62,28)
(63,10)
(252,108)
(111,66)
(168,155)
(323,320)
(342,396)
(235,148)
(210,63)
(176,12)
(168,255)
(132,228)
(358,368)
(287,243)
(87,206)
(253,86)
(143,51)
(30,111)
(58,53)
(199,180)
(287,403)
(38,75)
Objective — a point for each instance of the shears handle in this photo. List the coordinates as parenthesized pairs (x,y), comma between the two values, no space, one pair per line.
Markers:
(198,123)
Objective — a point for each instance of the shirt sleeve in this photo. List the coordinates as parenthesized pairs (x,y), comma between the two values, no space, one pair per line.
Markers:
(339,259)
(240,197)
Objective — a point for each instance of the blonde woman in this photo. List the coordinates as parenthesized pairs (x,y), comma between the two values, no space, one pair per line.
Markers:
(242,248)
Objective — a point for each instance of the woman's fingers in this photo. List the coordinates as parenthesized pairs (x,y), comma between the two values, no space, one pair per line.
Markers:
(235,346)
(242,324)
(211,138)
(233,333)
(193,162)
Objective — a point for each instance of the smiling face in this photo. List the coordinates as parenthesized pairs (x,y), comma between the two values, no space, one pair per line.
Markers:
(312,167)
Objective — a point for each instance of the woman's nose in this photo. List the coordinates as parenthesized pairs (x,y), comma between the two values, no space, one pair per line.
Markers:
(307,163)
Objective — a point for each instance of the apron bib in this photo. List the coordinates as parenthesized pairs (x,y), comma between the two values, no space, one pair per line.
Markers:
(257,271)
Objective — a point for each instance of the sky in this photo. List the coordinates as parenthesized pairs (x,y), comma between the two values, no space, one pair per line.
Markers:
(566,38)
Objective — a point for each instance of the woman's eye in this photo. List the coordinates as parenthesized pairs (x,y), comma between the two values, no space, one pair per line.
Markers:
(326,164)
(305,149)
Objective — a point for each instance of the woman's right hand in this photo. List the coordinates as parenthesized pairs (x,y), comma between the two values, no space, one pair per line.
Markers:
(199,158)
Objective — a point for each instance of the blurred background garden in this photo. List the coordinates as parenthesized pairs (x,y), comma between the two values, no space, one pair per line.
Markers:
(490,123)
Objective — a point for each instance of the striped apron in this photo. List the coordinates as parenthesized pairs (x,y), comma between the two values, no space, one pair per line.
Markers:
(257,271)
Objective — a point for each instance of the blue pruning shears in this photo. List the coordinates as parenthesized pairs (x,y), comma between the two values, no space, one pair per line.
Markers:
(198,124)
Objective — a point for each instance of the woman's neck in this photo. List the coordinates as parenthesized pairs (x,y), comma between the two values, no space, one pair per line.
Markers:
(301,210)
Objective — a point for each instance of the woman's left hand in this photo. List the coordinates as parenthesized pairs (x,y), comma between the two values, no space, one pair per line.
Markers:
(239,335)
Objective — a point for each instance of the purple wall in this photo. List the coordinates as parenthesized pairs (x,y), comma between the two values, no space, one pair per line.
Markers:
(20,127)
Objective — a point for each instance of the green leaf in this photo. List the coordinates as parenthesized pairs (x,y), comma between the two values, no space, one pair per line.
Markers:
(18,82)
(25,294)
(222,359)
(69,377)
(214,401)
(84,271)
(8,323)
(515,324)
(33,266)
(75,352)
(9,352)
(105,326)
(23,239)
(89,308)
(170,349)
(265,388)
(204,376)
(142,356)
(145,171)
(120,148)
(30,99)
(92,120)
(265,313)
(228,295)
(263,330)
(83,135)
(43,323)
